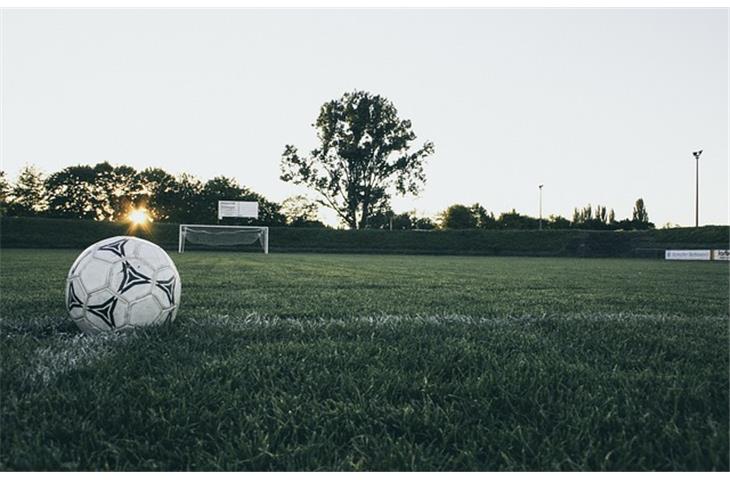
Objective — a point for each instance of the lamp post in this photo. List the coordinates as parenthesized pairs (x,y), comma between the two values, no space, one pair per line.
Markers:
(540,224)
(697,187)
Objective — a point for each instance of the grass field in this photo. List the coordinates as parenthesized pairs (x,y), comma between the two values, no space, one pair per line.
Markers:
(337,362)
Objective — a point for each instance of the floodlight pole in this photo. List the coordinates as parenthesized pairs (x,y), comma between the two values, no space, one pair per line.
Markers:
(697,187)
(540,224)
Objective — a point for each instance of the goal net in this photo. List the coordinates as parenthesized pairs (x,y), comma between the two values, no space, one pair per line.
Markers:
(222,236)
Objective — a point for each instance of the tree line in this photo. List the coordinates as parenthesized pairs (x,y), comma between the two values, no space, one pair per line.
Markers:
(586,218)
(108,193)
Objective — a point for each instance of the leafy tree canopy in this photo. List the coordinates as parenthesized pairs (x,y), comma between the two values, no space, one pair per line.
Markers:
(364,156)
(640,214)
(28,195)
(299,211)
(458,217)
(106,192)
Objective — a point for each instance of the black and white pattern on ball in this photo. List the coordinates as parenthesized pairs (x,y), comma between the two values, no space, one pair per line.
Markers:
(117,248)
(168,286)
(105,311)
(73,300)
(121,283)
(131,277)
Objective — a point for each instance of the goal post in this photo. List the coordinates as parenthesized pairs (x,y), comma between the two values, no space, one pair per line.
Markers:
(222,236)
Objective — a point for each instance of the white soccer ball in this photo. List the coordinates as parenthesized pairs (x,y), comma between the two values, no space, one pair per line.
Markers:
(121,283)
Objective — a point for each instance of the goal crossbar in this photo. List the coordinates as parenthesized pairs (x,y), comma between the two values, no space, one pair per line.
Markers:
(222,235)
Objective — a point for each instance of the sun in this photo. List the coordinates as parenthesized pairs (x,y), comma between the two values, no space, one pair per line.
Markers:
(138,216)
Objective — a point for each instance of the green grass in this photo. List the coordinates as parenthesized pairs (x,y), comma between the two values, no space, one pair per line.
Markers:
(337,362)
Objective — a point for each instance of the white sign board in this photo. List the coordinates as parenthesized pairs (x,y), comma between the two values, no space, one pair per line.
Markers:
(687,254)
(233,208)
(721,255)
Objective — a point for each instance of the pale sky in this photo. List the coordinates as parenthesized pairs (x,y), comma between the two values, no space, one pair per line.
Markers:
(600,106)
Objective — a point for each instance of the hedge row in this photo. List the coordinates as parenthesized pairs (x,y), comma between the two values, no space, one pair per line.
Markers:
(77,234)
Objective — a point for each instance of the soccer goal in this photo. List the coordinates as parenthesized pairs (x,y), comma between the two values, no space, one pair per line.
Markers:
(221,236)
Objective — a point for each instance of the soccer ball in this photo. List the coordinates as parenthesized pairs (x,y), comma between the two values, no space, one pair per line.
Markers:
(121,283)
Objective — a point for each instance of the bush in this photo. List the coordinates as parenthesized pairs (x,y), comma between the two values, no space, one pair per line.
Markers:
(78,234)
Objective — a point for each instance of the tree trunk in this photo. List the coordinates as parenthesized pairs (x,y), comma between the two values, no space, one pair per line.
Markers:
(364,216)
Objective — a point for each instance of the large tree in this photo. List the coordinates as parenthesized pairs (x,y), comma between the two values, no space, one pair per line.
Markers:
(458,217)
(158,193)
(483,218)
(186,195)
(120,189)
(364,156)
(516,221)
(640,215)
(28,196)
(71,192)
(101,192)
(115,191)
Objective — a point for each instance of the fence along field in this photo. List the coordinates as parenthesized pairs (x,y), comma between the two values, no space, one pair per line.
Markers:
(375,362)
(59,233)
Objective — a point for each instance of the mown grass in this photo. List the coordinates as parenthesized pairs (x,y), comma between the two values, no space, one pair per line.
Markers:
(335,362)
